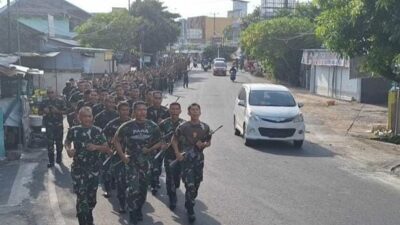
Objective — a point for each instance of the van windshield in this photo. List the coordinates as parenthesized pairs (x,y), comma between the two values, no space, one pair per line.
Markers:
(271,98)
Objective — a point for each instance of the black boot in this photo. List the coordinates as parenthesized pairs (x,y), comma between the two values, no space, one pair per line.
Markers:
(51,159)
(122,206)
(172,202)
(82,219)
(107,189)
(139,214)
(59,157)
(90,218)
(191,216)
(133,218)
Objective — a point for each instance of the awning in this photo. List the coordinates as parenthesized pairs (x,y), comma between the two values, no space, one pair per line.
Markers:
(89,50)
(14,70)
(35,54)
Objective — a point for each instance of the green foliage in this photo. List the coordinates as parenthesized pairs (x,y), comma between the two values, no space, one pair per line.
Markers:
(253,17)
(211,52)
(278,44)
(148,24)
(116,30)
(228,33)
(159,28)
(363,28)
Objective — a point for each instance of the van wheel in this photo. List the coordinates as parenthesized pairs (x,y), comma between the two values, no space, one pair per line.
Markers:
(298,144)
(237,132)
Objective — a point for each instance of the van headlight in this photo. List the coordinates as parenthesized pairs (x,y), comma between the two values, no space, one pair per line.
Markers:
(298,119)
(253,117)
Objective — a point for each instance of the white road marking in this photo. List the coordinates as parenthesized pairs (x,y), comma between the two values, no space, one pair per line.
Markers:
(54,205)
(20,190)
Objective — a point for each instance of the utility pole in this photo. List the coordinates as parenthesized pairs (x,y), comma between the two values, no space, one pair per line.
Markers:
(214,25)
(9,25)
(129,5)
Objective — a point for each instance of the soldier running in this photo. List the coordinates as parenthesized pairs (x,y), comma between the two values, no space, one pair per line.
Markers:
(189,139)
(141,137)
(88,143)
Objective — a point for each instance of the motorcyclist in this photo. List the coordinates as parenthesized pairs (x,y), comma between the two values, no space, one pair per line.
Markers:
(233,72)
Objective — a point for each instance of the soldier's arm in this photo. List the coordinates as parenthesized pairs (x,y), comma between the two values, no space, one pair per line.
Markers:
(67,144)
(118,147)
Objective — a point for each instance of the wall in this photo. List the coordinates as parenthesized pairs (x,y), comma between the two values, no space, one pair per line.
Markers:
(55,80)
(96,64)
(220,25)
(335,82)
(375,90)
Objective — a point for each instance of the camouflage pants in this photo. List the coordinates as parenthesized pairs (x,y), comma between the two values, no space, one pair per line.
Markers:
(107,172)
(120,176)
(173,175)
(156,169)
(85,184)
(137,181)
(192,175)
(54,136)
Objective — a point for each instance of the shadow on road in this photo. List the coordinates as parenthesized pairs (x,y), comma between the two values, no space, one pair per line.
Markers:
(179,214)
(286,148)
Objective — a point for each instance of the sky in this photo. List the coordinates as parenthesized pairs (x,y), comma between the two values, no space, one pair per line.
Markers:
(186,8)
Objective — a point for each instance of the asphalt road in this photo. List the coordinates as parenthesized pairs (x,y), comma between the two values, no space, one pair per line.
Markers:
(271,183)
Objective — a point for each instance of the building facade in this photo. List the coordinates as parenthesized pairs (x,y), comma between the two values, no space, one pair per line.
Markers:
(239,10)
(269,8)
(205,30)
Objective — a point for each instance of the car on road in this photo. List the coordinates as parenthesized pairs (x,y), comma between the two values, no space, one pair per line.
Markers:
(219,60)
(268,112)
(219,68)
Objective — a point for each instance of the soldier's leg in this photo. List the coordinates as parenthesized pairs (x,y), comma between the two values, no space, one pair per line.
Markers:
(132,191)
(79,181)
(93,184)
(144,177)
(198,175)
(170,182)
(121,187)
(188,176)
(59,145)
(50,145)
(155,174)
(106,177)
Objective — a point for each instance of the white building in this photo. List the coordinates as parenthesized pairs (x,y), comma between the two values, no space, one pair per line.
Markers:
(239,10)
(269,8)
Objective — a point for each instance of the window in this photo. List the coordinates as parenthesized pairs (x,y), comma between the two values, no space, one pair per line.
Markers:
(271,98)
(242,94)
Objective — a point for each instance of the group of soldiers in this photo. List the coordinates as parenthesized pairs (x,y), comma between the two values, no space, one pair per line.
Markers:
(120,134)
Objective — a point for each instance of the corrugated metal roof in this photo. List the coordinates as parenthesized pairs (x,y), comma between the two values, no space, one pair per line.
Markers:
(66,41)
(81,49)
(35,54)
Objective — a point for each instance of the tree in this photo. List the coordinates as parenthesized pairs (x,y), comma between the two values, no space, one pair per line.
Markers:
(278,44)
(369,29)
(159,28)
(228,33)
(116,30)
(253,17)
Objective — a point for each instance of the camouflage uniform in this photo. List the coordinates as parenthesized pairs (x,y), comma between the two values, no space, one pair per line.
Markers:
(98,108)
(118,172)
(85,169)
(173,174)
(101,121)
(192,166)
(54,127)
(157,115)
(76,96)
(105,117)
(135,136)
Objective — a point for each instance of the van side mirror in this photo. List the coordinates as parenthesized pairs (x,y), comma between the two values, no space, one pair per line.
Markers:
(300,105)
(241,103)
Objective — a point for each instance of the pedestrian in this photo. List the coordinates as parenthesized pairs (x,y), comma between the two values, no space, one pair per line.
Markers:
(118,172)
(156,113)
(52,110)
(170,82)
(191,138)
(185,79)
(140,137)
(88,142)
(173,176)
